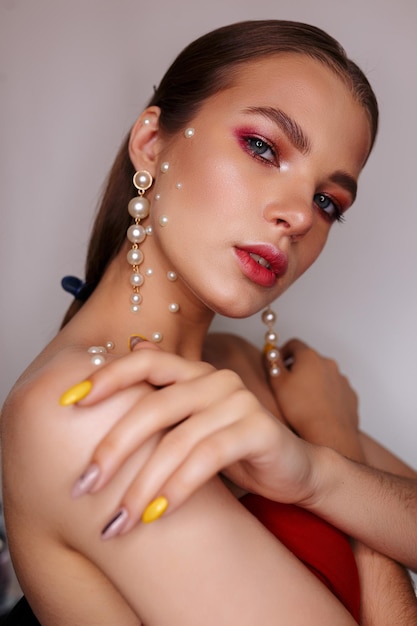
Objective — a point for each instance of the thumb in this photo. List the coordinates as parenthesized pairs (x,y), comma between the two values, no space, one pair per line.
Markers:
(137,342)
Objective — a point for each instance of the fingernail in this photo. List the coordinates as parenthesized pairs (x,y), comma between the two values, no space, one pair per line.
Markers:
(87,481)
(76,393)
(134,340)
(115,525)
(155,509)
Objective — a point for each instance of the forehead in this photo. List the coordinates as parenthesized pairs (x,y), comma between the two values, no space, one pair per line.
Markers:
(293,76)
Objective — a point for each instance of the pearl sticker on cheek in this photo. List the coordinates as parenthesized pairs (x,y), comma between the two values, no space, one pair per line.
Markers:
(164,167)
(163,220)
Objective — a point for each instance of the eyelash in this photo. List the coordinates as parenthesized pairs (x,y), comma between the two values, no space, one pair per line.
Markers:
(338,214)
(248,139)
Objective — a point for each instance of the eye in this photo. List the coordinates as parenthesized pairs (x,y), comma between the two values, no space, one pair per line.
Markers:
(329,207)
(260,149)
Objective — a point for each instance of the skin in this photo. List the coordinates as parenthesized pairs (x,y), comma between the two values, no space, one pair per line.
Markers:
(232,570)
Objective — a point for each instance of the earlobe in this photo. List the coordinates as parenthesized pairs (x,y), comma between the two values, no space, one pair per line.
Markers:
(144,136)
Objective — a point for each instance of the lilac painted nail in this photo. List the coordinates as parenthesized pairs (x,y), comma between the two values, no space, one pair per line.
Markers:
(115,525)
(87,481)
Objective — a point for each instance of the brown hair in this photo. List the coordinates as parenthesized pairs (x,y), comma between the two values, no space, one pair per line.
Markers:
(203,68)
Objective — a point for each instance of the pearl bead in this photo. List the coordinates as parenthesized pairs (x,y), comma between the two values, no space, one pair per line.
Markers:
(171,275)
(163,220)
(109,345)
(149,230)
(136,233)
(142,180)
(138,207)
(189,132)
(157,196)
(274,371)
(134,257)
(98,359)
(96,349)
(135,308)
(136,298)
(272,354)
(149,271)
(146,121)
(156,337)
(268,317)
(271,336)
(178,185)
(136,279)
(164,167)
(174,307)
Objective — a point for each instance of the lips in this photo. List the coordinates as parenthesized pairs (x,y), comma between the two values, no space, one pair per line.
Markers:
(262,264)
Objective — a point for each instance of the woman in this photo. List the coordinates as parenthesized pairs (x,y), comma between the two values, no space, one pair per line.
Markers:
(248,152)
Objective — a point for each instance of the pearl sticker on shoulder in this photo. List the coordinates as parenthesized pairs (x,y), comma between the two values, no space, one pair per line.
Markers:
(98,353)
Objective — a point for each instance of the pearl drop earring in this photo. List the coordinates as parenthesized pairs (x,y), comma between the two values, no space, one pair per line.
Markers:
(138,208)
(271,338)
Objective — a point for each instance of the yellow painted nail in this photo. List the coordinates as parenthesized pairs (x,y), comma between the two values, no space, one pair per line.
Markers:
(135,339)
(155,509)
(76,393)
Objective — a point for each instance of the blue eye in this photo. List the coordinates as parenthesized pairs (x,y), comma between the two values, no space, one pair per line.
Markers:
(329,207)
(260,148)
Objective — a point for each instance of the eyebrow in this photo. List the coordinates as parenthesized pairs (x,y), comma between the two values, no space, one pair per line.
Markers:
(302,143)
(292,130)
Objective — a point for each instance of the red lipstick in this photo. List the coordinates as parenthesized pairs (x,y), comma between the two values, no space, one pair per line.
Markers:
(263,264)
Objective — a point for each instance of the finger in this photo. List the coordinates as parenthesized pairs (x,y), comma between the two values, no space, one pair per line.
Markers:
(178,479)
(157,367)
(292,348)
(136,342)
(176,447)
(156,412)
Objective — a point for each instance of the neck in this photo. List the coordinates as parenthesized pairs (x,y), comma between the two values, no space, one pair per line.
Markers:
(107,315)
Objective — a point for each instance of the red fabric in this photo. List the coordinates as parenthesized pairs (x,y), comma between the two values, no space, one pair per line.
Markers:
(325,550)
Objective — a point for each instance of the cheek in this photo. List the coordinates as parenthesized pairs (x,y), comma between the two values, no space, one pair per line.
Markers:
(311,248)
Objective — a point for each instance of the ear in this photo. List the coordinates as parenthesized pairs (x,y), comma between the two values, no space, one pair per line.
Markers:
(145,139)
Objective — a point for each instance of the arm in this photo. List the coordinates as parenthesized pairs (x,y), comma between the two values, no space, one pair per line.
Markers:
(231,432)
(387,594)
(209,562)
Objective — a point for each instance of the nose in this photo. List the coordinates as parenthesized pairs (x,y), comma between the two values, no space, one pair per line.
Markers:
(292,211)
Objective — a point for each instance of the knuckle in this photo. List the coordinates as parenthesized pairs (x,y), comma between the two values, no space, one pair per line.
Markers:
(229,377)
(109,448)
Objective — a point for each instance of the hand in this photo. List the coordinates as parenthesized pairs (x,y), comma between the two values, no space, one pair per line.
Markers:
(210,423)
(317,400)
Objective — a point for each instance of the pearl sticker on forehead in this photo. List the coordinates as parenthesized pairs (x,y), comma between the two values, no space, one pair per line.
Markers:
(189,132)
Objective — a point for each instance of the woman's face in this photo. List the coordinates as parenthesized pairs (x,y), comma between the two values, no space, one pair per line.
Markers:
(249,195)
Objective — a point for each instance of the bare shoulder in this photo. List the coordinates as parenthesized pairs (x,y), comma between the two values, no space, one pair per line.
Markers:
(228,348)
(90,581)
(44,449)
